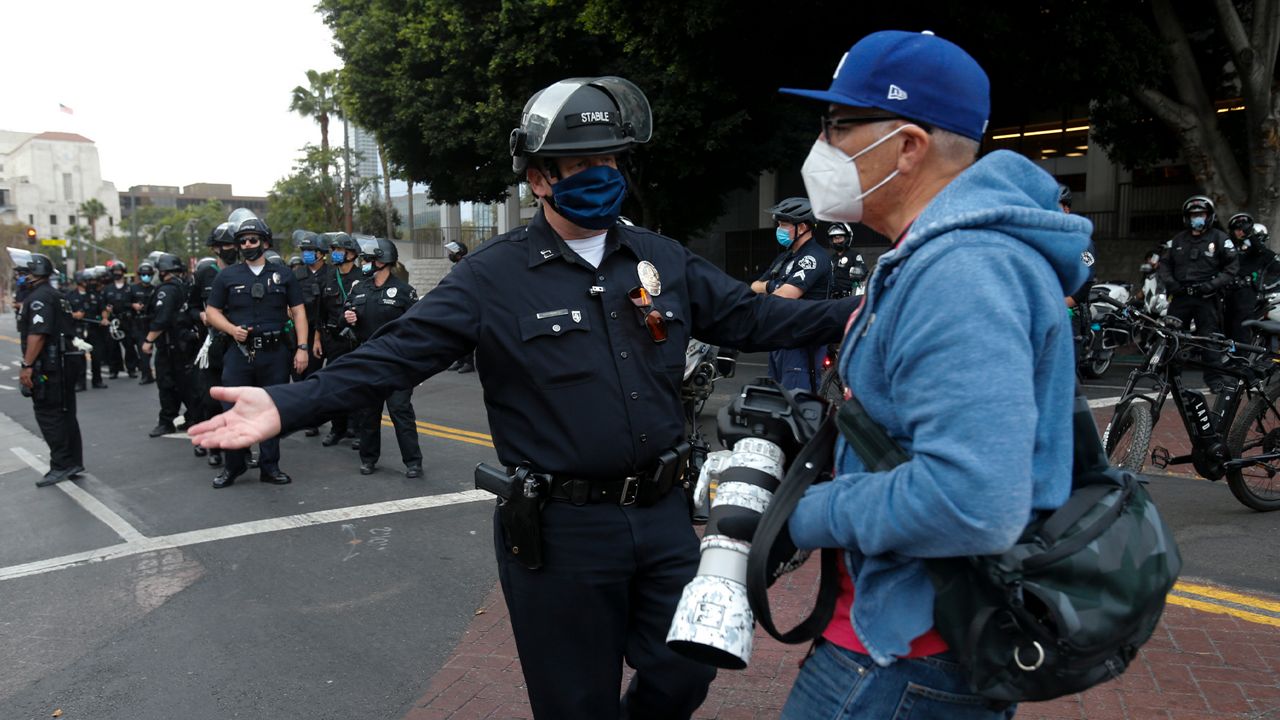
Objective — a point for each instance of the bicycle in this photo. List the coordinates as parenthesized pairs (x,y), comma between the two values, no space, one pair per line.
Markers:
(1215,454)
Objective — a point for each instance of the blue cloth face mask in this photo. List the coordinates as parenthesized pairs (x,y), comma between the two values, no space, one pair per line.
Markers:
(1198,222)
(22,279)
(367,268)
(309,257)
(784,237)
(146,278)
(338,257)
(591,199)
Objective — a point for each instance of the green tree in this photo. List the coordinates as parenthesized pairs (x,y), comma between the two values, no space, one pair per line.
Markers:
(310,199)
(318,99)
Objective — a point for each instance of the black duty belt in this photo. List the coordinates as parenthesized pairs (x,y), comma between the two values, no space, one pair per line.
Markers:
(642,488)
(265,341)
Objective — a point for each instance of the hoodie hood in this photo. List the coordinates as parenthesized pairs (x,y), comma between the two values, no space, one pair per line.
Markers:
(1007,193)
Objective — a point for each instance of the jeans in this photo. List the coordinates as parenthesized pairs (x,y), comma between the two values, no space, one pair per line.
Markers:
(840,684)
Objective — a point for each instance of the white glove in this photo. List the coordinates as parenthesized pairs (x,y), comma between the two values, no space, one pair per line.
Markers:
(202,357)
(81,345)
(710,473)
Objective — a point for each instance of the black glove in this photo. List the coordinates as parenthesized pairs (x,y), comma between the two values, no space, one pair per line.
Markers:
(783,556)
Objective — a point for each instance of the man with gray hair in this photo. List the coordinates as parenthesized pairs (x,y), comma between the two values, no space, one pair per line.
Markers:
(960,350)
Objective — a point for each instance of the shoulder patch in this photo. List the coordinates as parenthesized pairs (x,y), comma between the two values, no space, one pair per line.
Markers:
(36,305)
(808,262)
(798,274)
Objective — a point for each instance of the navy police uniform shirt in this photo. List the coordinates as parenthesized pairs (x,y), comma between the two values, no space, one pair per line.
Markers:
(808,268)
(45,312)
(1208,258)
(312,282)
(376,306)
(573,382)
(167,309)
(334,292)
(265,309)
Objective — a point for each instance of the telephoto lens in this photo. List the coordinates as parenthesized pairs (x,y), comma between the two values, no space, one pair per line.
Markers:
(764,425)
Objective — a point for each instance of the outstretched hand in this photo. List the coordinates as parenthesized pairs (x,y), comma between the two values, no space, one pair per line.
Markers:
(252,419)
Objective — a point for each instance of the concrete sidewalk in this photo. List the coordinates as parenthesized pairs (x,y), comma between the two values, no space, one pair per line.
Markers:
(1216,654)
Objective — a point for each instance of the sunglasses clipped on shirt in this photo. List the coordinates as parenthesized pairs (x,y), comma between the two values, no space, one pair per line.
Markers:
(650,318)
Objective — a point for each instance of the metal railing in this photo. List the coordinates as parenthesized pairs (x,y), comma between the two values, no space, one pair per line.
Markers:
(428,242)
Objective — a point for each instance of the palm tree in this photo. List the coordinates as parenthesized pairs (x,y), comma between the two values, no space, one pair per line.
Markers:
(91,210)
(318,101)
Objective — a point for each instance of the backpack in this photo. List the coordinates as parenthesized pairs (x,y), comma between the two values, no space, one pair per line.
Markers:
(1066,608)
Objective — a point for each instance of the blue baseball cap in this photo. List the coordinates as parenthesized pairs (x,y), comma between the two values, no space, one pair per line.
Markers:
(918,76)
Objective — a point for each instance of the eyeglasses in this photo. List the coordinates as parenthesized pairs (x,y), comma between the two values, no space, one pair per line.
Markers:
(650,318)
(850,120)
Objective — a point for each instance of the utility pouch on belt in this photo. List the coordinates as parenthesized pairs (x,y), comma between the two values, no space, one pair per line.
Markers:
(520,500)
(669,471)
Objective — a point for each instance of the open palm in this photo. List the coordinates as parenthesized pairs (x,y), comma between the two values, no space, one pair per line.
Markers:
(252,419)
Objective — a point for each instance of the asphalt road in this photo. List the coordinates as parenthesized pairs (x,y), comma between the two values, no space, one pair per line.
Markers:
(215,607)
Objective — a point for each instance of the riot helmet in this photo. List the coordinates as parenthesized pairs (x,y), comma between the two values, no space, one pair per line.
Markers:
(1242,223)
(206,263)
(858,271)
(581,117)
(274,257)
(838,235)
(1198,204)
(117,267)
(1259,236)
(295,261)
(368,245)
(1064,197)
(342,240)
(255,226)
(386,252)
(146,271)
(223,234)
(40,266)
(305,240)
(457,250)
(20,257)
(170,263)
(239,215)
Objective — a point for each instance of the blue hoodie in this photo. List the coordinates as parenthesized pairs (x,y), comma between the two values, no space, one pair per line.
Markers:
(963,352)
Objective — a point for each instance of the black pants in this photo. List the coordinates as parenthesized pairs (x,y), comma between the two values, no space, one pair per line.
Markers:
(269,367)
(1240,305)
(369,429)
(101,342)
(1207,314)
(334,348)
(137,336)
(176,384)
(607,592)
(59,427)
(114,348)
(76,365)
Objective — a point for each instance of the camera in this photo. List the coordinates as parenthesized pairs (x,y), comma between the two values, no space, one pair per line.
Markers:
(763,427)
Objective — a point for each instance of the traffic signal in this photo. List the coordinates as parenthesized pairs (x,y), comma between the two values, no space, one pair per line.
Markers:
(31,236)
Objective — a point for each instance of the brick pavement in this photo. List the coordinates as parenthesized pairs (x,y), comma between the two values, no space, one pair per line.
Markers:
(1198,665)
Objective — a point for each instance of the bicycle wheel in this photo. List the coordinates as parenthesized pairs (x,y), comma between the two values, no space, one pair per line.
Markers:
(1096,367)
(831,388)
(1256,431)
(1128,436)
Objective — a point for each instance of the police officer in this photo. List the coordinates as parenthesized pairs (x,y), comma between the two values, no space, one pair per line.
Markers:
(584,323)
(848,269)
(1078,302)
(802,270)
(336,336)
(1258,266)
(1240,227)
(1199,263)
(311,272)
(118,296)
(173,337)
(251,302)
(141,293)
(458,250)
(96,321)
(77,296)
(45,326)
(214,343)
(376,301)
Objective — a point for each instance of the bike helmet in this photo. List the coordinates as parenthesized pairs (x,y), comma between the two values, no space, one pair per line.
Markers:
(1198,204)
(1064,196)
(1260,236)
(1240,221)
(793,210)
(40,265)
(858,271)
(581,116)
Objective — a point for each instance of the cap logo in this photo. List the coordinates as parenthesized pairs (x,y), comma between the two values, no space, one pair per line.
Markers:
(897,93)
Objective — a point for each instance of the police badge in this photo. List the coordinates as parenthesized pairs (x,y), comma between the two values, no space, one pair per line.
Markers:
(649,277)
(275,278)
(391,292)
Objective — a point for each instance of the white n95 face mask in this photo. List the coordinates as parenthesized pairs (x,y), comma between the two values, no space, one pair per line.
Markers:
(831,179)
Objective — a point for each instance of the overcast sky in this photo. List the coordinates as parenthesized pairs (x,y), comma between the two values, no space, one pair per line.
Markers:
(172,92)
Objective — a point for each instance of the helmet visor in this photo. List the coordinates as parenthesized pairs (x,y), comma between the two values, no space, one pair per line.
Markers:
(19,256)
(239,215)
(368,245)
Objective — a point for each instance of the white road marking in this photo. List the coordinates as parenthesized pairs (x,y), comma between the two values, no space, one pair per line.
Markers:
(226,532)
(7,387)
(16,363)
(127,532)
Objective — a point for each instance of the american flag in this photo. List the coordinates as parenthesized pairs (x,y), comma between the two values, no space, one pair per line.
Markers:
(66,109)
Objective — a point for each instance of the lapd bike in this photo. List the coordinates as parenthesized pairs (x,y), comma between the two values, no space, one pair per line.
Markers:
(1242,445)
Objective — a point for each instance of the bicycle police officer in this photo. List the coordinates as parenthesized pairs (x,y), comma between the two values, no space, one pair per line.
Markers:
(1197,265)
(802,270)
(251,302)
(379,299)
(848,269)
(45,326)
(580,325)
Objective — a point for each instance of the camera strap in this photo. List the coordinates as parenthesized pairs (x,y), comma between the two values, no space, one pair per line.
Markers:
(812,462)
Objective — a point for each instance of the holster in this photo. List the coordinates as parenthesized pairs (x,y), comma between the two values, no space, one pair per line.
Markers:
(520,502)
(672,464)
